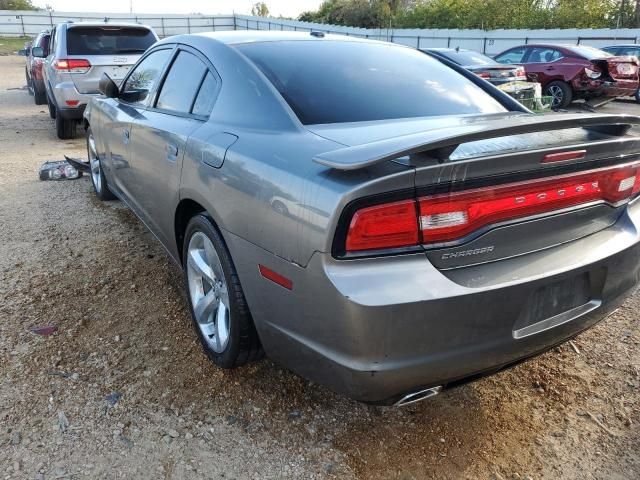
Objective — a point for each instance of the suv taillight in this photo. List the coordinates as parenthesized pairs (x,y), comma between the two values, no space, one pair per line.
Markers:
(72,65)
(448,217)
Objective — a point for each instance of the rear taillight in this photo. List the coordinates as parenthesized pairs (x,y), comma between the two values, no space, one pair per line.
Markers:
(484,75)
(72,65)
(452,216)
(520,72)
(593,72)
(392,225)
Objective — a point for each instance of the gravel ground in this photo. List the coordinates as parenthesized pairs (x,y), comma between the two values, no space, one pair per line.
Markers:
(122,390)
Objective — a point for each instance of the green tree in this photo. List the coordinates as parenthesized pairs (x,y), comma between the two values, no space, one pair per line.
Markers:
(260,9)
(17,5)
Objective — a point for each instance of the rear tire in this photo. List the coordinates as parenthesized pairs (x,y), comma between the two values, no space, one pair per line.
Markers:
(561,94)
(99,181)
(65,129)
(226,332)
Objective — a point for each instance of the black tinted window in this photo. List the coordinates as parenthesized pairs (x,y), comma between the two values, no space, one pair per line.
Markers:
(145,76)
(206,96)
(337,81)
(108,40)
(181,84)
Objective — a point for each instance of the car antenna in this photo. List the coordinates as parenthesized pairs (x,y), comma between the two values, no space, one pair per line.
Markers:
(317,34)
(457,48)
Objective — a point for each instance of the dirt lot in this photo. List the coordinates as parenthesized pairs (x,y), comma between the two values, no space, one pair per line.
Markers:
(122,390)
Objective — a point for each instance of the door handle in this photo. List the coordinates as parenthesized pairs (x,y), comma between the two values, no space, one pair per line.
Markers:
(172,150)
(125,136)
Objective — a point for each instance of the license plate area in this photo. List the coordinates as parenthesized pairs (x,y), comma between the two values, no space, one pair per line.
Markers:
(557,303)
(117,72)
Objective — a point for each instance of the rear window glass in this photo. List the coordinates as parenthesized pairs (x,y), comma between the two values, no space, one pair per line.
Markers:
(590,53)
(339,81)
(108,40)
(466,57)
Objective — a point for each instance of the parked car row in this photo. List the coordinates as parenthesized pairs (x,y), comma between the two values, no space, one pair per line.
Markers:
(565,72)
(64,65)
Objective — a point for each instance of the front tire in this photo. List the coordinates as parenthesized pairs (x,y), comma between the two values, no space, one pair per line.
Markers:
(560,93)
(219,311)
(99,181)
(65,129)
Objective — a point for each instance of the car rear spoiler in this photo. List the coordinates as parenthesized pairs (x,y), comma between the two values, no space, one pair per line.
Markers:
(441,143)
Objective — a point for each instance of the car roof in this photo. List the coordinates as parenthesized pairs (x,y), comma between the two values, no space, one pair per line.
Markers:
(446,49)
(618,45)
(232,37)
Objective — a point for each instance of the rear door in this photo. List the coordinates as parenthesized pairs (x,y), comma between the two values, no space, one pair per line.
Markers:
(159,138)
(108,49)
(543,64)
(134,99)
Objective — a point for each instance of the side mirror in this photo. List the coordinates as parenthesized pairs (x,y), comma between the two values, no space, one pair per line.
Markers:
(24,52)
(37,52)
(108,87)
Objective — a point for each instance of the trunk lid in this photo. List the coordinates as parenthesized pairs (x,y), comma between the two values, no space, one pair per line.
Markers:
(618,68)
(110,49)
(547,159)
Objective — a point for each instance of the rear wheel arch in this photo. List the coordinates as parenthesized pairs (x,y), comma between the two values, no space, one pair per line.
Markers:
(185,211)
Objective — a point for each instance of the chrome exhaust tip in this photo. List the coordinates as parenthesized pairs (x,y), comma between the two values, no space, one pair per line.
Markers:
(418,396)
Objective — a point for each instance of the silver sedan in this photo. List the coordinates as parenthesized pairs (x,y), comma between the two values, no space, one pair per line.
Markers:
(373,219)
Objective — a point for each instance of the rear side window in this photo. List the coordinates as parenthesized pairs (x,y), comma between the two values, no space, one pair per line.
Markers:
(206,96)
(543,55)
(181,83)
(108,40)
(514,55)
(341,81)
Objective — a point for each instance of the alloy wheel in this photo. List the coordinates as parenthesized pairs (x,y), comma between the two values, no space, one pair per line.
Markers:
(208,292)
(557,95)
(94,164)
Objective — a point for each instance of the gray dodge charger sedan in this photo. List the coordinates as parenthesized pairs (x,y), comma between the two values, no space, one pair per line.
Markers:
(373,219)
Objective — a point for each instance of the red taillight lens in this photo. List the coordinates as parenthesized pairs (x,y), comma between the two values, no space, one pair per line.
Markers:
(484,75)
(72,65)
(448,217)
(520,72)
(392,225)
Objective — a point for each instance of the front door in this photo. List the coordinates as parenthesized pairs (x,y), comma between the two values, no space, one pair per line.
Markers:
(159,140)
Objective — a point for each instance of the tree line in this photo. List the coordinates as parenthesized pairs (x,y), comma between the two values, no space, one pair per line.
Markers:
(482,14)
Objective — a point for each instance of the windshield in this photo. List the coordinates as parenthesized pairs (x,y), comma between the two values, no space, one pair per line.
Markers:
(108,40)
(468,58)
(341,81)
(590,53)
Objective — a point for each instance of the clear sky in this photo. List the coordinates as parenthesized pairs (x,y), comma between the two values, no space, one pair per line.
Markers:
(287,8)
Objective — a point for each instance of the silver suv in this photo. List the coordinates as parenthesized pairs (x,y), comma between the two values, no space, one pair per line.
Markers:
(80,53)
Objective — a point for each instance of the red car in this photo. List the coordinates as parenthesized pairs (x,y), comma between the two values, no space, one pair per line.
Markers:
(33,68)
(569,72)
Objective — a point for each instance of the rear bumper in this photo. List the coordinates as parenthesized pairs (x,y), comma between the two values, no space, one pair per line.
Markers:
(66,92)
(377,329)
(620,88)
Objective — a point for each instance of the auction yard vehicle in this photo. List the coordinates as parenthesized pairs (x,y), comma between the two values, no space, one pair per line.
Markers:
(33,67)
(79,54)
(625,50)
(511,79)
(569,72)
(450,233)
